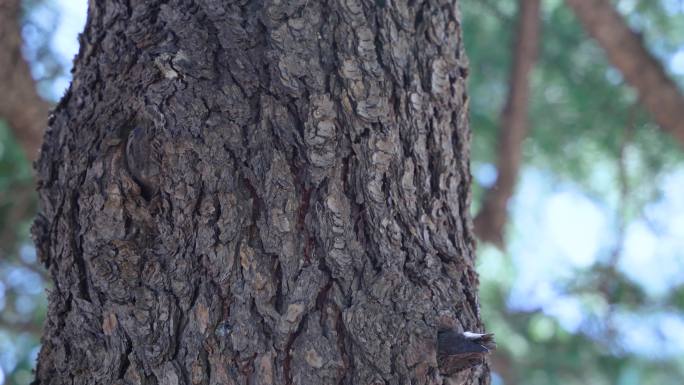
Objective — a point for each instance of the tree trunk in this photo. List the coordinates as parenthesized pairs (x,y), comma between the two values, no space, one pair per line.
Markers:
(259,193)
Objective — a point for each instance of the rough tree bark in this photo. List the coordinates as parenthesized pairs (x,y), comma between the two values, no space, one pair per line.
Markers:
(657,92)
(259,193)
(20,104)
(491,219)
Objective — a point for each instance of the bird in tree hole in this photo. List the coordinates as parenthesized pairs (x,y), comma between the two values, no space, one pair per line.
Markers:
(458,351)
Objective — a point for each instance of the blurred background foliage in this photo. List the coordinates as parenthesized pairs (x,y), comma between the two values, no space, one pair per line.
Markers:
(590,288)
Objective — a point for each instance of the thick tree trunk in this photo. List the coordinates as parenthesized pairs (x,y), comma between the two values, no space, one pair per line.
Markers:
(20,104)
(491,220)
(657,92)
(259,193)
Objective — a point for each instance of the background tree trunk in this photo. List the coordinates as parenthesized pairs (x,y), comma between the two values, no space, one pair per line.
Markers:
(20,104)
(490,221)
(259,193)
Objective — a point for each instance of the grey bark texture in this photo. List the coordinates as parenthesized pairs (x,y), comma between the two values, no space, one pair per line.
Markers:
(259,193)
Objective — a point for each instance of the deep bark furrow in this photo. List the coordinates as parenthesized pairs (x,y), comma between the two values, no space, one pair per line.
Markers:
(307,215)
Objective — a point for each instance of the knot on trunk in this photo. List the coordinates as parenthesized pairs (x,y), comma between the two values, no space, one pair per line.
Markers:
(142,160)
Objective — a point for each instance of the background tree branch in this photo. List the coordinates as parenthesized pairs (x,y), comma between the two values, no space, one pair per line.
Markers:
(625,50)
(491,219)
